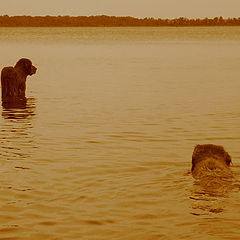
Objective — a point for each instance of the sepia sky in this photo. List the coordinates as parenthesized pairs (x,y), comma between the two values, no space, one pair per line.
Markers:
(135,8)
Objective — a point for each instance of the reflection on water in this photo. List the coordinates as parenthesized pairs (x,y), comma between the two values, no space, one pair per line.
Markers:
(210,194)
(16,135)
(22,109)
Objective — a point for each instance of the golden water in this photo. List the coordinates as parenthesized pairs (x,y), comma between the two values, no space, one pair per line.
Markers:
(102,149)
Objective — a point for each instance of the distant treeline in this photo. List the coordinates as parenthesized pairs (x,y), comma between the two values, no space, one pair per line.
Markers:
(110,21)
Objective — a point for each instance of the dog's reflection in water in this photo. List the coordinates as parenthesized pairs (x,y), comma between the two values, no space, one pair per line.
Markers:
(16,131)
(21,109)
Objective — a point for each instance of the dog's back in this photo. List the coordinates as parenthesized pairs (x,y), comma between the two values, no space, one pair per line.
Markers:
(8,75)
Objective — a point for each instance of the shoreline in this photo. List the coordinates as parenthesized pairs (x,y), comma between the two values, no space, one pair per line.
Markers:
(113,21)
(193,26)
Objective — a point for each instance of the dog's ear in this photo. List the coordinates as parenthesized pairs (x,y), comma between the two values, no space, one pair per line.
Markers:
(195,152)
(30,69)
(28,66)
(228,159)
(193,163)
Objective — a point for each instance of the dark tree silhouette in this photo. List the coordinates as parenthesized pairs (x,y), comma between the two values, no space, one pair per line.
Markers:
(110,21)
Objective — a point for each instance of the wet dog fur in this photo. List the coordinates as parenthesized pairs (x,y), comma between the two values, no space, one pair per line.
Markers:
(209,159)
(13,80)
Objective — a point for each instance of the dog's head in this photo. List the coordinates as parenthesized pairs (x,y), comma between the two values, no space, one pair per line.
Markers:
(26,66)
(202,152)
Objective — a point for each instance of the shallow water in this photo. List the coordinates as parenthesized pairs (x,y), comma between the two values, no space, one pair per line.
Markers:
(102,148)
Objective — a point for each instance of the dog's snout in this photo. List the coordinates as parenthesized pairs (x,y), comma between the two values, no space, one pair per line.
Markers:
(33,70)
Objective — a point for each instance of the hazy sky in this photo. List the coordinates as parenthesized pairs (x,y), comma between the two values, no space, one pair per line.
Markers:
(135,8)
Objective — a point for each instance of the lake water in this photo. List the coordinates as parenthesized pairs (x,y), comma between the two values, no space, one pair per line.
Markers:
(102,149)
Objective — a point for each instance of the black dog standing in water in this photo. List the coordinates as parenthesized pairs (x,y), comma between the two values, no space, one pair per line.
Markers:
(13,80)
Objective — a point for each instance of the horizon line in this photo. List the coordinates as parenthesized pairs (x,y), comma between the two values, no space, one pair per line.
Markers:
(122,16)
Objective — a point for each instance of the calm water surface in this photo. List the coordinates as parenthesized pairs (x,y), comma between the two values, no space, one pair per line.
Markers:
(102,149)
